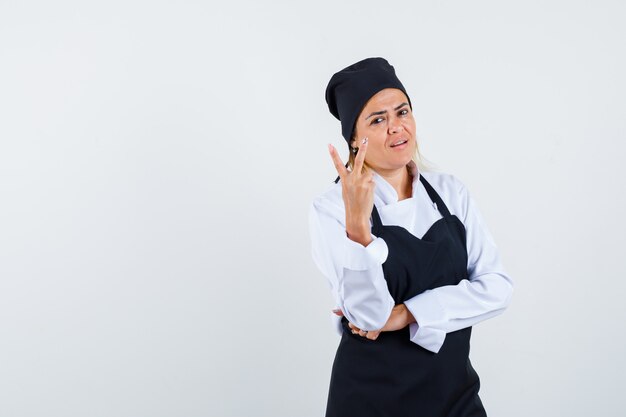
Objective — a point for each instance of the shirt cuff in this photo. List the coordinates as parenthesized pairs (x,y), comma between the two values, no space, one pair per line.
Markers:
(428,314)
(361,258)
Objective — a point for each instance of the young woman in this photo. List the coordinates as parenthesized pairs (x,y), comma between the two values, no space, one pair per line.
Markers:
(408,258)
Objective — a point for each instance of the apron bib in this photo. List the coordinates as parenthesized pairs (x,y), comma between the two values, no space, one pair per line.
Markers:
(392,376)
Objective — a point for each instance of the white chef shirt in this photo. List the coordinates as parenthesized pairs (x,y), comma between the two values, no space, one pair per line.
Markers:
(355,273)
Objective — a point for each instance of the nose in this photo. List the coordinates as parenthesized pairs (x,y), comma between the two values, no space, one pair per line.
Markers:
(394,125)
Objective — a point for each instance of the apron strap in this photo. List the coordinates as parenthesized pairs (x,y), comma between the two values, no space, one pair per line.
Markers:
(443,209)
(377,224)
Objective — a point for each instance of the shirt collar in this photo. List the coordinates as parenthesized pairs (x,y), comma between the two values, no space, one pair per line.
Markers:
(386,192)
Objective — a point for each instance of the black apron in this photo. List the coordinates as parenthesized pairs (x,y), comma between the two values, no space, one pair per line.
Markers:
(392,376)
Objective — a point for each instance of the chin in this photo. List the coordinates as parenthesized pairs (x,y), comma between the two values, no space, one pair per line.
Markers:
(402,162)
(397,164)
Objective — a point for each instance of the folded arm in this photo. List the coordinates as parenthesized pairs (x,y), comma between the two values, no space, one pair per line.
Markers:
(354,271)
(485,294)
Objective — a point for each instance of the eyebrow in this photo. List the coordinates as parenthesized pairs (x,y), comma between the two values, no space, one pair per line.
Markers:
(376,113)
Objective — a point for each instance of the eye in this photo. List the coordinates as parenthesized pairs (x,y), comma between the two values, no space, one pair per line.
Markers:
(377,120)
(403,112)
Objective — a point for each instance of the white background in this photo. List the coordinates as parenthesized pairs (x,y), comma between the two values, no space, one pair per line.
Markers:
(157,162)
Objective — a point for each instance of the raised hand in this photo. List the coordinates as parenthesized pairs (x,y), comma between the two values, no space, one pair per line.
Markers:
(357,188)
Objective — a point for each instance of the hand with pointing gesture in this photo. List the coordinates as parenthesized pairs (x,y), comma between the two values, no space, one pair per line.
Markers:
(357,188)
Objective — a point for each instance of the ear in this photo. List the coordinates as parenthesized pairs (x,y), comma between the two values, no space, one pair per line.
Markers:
(353,147)
(353,143)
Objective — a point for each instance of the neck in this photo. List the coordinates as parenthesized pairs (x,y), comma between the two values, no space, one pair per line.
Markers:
(400,180)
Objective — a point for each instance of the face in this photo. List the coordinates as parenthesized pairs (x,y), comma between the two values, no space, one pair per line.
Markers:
(388,123)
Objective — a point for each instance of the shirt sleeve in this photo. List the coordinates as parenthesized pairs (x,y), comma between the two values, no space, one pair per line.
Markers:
(485,294)
(354,271)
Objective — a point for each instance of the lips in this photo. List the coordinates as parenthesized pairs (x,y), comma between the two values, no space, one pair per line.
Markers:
(399,143)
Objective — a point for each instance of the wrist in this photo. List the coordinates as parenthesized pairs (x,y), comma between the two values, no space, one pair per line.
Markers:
(409,318)
(359,232)
(364,240)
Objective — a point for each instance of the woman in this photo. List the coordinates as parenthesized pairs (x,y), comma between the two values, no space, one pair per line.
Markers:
(409,260)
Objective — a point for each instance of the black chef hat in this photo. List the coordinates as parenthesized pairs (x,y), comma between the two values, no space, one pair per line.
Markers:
(349,90)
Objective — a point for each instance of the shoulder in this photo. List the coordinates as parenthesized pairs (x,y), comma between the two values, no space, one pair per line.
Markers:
(330,202)
(444,182)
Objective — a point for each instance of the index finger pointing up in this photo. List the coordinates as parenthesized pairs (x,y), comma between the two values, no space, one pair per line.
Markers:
(341,169)
(360,157)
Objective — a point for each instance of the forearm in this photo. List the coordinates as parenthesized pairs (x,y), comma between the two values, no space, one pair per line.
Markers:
(365,298)
(354,270)
(453,307)
(358,229)
(361,237)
